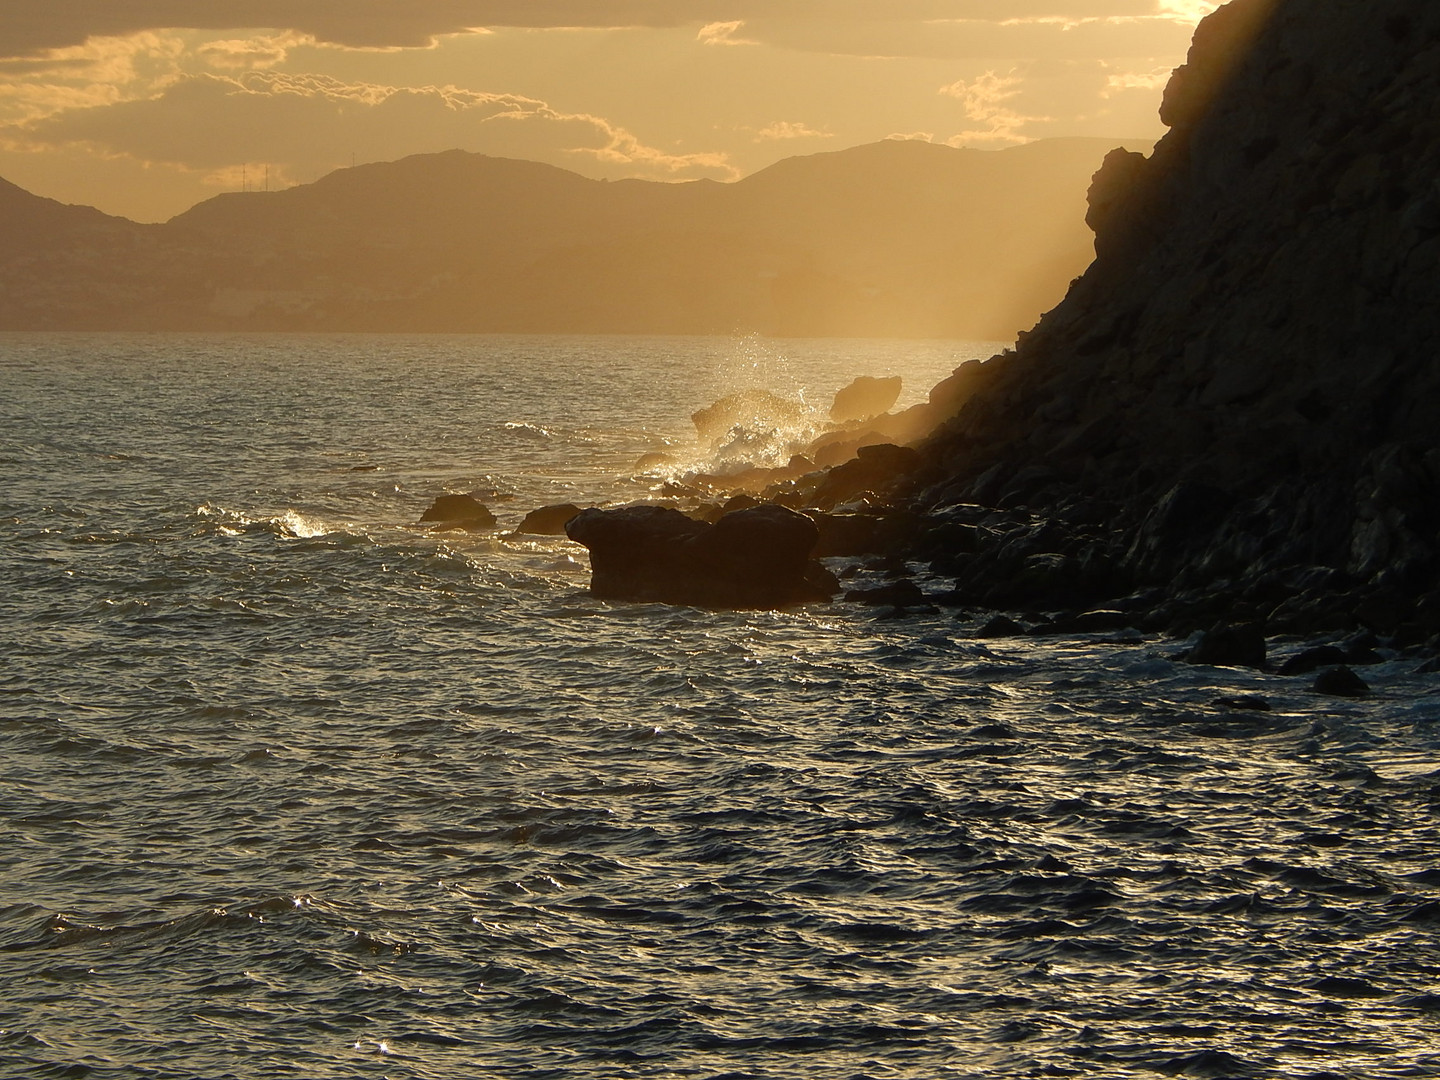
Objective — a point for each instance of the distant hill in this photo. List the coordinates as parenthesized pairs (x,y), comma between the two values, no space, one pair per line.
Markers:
(898,238)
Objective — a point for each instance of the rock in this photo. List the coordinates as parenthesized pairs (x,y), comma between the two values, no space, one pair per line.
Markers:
(864,398)
(749,409)
(1313,659)
(1095,622)
(1228,645)
(655,460)
(900,594)
(875,468)
(848,534)
(753,558)
(459,512)
(1341,682)
(1299,434)
(1001,626)
(1243,703)
(548,520)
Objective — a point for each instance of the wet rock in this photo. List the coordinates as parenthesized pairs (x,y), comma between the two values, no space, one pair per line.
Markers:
(1230,645)
(899,594)
(1243,703)
(848,534)
(459,512)
(865,398)
(753,558)
(1360,651)
(750,410)
(875,468)
(1313,659)
(1341,682)
(1001,626)
(1095,622)
(655,460)
(548,520)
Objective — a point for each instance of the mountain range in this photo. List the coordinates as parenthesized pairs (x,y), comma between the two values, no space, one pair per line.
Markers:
(899,238)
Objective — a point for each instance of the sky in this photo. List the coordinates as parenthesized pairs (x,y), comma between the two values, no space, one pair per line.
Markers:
(145,107)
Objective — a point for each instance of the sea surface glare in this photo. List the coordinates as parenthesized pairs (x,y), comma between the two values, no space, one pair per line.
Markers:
(292,787)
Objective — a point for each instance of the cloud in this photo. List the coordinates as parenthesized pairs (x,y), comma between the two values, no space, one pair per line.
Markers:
(782,130)
(723,33)
(304,125)
(99,72)
(988,101)
(251,54)
(29,27)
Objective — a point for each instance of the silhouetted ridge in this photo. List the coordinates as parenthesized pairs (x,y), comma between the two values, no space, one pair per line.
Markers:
(893,239)
(1241,396)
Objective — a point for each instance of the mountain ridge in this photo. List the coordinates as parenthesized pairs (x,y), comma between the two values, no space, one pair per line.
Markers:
(888,239)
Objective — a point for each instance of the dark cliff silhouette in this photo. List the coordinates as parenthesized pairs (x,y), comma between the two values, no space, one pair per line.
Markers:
(891,239)
(1235,413)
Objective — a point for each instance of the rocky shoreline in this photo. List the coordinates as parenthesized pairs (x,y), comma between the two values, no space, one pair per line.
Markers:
(1234,416)
(1229,430)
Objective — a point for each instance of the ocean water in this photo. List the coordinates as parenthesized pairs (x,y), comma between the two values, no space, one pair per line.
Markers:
(291,787)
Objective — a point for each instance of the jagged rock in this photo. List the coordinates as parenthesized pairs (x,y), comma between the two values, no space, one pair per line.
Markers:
(753,558)
(548,520)
(459,512)
(1341,682)
(865,398)
(1249,372)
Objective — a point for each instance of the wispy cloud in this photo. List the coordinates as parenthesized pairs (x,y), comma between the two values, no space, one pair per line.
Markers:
(783,130)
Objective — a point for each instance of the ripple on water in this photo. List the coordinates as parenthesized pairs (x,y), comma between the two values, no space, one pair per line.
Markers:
(288,774)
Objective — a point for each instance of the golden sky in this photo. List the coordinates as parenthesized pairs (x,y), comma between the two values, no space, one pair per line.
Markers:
(145,107)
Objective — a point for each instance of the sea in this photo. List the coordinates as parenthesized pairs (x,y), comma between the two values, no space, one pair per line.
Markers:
(292,786)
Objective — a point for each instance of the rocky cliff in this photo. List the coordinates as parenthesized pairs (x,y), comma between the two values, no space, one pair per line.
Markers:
(1235,413)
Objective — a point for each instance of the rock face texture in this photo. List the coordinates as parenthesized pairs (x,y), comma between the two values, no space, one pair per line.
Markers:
(1239,403)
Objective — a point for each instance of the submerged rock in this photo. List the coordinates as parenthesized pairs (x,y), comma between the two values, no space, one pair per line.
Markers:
(459,512)
(753,558)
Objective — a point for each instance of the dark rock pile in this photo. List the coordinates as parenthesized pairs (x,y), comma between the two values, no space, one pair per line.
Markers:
(1235,414)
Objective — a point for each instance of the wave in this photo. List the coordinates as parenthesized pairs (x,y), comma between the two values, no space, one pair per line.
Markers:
(291,524)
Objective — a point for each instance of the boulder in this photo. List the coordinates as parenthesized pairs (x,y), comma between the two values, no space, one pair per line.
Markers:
(1341,682)
(864,398)
(1228,645)
(548,520)
(749,409)
(753,558)
(875,468)
(459,512)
